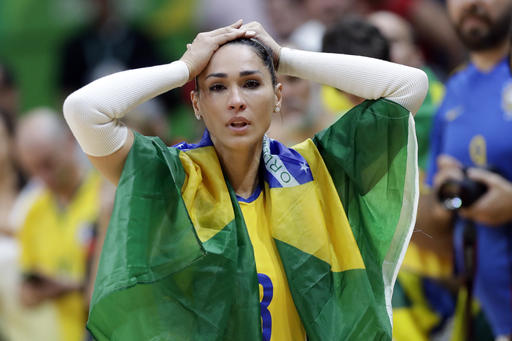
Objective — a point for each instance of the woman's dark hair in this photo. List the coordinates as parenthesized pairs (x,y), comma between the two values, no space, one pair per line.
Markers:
(262,51)
(8,122)
(6,78)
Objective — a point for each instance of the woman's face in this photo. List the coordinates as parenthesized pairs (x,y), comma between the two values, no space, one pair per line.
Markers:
(236,97)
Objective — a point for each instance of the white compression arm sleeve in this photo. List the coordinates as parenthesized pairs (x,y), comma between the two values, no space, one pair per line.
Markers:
(361,76)
(93,111)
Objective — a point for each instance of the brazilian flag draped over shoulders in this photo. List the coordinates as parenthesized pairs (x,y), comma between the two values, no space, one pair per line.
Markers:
(178,264)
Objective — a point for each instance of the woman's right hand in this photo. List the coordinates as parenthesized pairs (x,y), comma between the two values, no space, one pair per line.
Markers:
(198,53)
(261,35)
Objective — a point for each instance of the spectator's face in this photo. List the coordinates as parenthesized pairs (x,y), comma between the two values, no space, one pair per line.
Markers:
(481,24)
(46,161)
(399,35)
(236,97)
(285,16)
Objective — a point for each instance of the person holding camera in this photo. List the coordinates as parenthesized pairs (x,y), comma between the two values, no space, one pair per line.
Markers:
(470,137)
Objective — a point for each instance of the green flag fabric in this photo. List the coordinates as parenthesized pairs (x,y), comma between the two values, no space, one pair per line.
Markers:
(178,264)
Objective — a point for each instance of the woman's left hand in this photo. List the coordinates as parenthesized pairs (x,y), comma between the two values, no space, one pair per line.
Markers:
(265,38)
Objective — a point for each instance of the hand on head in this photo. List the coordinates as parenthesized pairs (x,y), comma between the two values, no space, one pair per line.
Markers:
(265,38)
(198,53)
(205,44)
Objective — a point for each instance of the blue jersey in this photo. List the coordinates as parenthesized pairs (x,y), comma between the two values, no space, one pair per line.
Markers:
(474,125)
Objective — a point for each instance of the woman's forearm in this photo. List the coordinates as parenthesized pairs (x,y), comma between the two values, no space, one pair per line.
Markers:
(362,76)
(92,112)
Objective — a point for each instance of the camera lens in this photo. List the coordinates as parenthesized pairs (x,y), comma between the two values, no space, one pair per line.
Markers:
(454,194)
(449,194)
(453,203)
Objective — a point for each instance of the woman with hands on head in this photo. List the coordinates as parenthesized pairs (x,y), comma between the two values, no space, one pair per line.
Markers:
(239,237)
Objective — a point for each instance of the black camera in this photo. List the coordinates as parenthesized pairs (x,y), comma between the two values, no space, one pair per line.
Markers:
(455,194)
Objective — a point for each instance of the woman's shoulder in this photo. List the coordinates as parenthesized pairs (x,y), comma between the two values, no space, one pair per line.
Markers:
(148,153)
(151,157)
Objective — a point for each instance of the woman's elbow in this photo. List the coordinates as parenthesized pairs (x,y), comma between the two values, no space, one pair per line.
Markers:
(417,84)
(421,87)
(73,105)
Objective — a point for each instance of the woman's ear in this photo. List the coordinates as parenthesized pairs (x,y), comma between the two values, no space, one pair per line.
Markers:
(194,98)
(278,95)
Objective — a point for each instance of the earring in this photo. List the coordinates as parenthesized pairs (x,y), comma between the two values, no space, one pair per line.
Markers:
(198,117)
(277,109)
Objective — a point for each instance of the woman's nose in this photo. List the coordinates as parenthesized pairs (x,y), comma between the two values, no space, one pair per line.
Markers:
(236,100)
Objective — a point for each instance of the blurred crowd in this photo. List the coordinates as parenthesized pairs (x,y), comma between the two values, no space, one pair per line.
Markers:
(456,279)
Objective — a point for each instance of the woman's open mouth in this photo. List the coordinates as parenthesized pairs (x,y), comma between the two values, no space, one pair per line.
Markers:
(238,124)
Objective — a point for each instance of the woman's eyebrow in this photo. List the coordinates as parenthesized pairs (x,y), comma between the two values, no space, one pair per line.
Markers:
(249,72)
(218,75)
(224,75)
